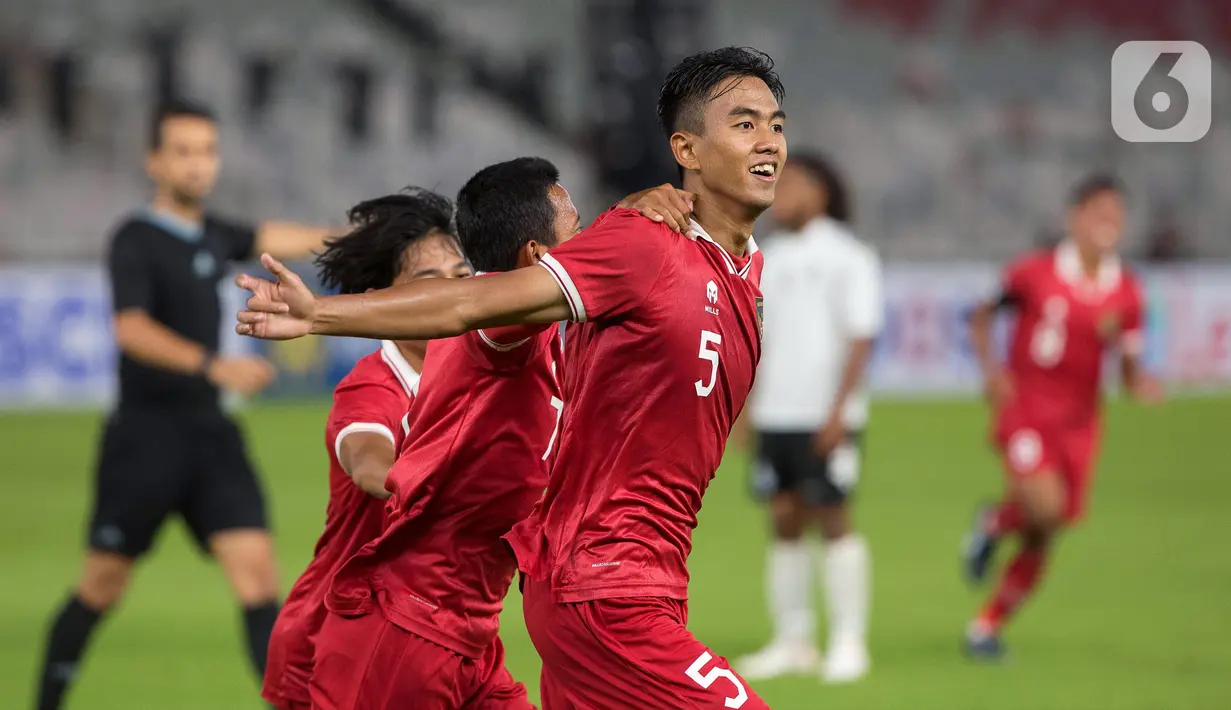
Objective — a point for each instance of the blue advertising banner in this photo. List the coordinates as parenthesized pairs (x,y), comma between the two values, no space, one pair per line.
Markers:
(57,349)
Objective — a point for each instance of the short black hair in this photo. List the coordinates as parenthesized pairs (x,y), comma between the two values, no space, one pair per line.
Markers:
(839,205)
(382,231)
(1093,185)
(504,206)
(689,84)
(176,108)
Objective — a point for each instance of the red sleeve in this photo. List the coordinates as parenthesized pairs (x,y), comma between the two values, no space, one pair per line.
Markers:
(365,406)
(608,269)
(508,348)
(1132,331)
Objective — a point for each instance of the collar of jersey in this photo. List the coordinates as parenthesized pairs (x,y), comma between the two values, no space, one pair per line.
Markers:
(1068,267)
(698,232)
(180,228)
(402,370)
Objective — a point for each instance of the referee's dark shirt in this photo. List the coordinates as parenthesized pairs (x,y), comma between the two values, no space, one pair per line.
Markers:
(170,269)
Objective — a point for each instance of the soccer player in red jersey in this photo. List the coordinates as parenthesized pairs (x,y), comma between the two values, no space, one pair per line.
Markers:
(1073,303)
(416,610)
(395,239)
(661,357)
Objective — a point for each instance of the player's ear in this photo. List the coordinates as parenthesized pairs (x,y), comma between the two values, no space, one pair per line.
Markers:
(684,148)
(528,255)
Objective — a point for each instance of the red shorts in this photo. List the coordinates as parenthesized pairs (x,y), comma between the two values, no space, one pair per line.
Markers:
(1069,451)
(626,652)
(368,663)
(288,665)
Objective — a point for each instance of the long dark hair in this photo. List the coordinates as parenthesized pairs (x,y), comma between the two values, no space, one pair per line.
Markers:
(839,204)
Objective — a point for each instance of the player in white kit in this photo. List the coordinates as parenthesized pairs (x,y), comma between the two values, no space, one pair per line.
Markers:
(823,310)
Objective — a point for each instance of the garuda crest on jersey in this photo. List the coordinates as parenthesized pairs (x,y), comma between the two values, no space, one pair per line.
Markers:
(761,317)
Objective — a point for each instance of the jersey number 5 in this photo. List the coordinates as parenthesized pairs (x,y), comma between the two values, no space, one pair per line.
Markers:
(706,680)
(705,353)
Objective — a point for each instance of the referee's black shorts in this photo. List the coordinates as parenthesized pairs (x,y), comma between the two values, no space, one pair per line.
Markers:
(156,463)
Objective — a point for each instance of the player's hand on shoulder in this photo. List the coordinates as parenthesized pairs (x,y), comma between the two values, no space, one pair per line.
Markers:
(278,310)
(665,203)
(244,374)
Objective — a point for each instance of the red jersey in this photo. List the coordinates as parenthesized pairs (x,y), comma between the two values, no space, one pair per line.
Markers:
(661,358)
(1065,323)
(373,397)
(481,441)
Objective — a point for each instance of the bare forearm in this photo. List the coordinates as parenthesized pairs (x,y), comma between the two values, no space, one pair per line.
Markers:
(441,308)
(981,337)
(150,343)
(290,240)
(1131,372)
(857,357)
(367,457)
(416,311)
(369,475)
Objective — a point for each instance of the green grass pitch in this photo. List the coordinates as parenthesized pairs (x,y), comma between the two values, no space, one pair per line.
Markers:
(1135,613)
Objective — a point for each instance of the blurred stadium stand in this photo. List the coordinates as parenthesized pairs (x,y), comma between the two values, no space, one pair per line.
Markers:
(961,122)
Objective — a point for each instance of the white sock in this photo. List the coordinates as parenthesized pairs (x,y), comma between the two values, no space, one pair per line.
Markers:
(847,589)
(788,587)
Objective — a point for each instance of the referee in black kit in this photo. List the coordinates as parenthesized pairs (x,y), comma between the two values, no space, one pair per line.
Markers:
(168,447)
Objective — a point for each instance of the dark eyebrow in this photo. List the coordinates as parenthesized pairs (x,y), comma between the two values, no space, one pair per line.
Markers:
(753,113)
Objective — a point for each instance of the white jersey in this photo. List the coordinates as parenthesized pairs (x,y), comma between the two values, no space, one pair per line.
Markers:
(822,289)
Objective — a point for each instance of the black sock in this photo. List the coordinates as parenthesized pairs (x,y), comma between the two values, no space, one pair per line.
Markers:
(259,625)
(65,645)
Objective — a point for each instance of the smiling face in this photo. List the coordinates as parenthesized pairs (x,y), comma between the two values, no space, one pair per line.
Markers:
(742,144)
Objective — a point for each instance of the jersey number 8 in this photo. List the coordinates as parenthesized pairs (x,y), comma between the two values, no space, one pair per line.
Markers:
(1050,335)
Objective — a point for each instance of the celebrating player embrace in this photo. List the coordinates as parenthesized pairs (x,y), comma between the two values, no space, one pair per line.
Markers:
(396,239)
(659,362)
(1073,303)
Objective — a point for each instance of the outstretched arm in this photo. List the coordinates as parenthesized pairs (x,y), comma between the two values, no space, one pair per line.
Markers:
(291,240)
(422,310)
(439,308)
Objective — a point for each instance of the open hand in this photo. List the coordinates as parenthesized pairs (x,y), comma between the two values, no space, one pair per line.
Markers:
(665,204)
(278,310)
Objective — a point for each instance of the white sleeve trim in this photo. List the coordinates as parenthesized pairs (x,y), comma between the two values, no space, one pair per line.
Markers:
(357,427)
(571,294)
(502,347)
